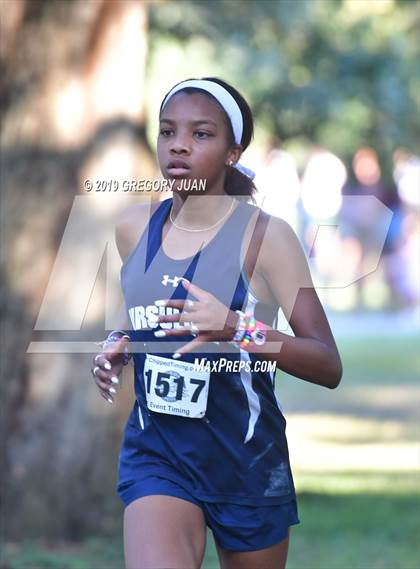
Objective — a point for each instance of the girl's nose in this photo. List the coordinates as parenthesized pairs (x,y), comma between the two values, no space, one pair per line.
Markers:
(180,145)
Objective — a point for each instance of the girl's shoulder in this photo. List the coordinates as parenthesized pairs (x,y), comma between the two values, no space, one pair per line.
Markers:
(274,244)
(271,231)
(130,225)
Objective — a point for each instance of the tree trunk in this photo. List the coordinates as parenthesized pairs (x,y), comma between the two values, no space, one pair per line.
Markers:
(71,100)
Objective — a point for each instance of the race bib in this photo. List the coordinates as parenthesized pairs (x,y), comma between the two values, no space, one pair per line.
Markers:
(175,388)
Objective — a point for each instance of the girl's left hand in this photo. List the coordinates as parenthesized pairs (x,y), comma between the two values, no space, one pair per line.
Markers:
(206,317)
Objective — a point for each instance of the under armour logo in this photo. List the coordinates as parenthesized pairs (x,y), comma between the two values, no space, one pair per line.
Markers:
(166,280)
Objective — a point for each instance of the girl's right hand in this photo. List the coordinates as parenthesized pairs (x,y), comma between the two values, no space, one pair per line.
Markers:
(107,366)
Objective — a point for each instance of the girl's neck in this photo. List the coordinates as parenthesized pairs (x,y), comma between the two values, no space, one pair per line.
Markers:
(196,211)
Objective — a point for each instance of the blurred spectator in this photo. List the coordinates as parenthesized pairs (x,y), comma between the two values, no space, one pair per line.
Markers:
(361,223)
(324,176)
(407,178)
(403,266)
(278,186)
(320,201)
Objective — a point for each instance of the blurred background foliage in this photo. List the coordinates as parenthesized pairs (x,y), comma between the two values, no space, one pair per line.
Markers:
(338,73)
(334,73)
(80,88)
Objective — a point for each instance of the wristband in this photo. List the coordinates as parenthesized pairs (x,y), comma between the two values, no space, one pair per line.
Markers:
(256,332)
(259,335)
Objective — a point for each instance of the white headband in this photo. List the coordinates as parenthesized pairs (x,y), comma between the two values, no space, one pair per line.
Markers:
(221,95)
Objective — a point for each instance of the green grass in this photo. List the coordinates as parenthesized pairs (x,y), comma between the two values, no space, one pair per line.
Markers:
(95,553)
(381,360)
(356,531)
(349,519)
(357,520)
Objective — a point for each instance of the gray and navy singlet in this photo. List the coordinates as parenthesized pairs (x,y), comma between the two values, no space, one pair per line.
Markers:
(237,452)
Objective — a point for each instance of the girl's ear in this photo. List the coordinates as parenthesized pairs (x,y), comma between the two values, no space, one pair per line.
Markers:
(234,154)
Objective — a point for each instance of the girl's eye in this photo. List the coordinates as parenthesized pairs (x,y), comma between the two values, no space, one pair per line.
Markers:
(165,131)
(202,134)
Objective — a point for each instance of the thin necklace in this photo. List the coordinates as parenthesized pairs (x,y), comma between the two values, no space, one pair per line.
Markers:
(206,228)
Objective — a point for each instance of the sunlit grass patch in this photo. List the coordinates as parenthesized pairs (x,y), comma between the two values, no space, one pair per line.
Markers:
(350,429)
(357,482)
(320,442)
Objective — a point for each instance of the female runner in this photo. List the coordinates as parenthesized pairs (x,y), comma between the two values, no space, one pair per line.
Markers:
(204,274)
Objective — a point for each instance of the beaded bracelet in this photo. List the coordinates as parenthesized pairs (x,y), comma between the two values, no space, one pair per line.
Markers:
(247,338)
(240,326)
(113,337)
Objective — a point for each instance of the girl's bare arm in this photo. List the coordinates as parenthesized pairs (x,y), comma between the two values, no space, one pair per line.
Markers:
(312,354)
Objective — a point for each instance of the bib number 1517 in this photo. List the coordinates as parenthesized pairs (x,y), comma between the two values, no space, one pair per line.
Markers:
(175,388)
(165,381)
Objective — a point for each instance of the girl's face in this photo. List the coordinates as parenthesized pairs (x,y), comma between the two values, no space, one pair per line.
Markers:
(193,140)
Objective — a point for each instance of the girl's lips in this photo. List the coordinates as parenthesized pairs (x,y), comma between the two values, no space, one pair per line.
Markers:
(178,168)
(178,171)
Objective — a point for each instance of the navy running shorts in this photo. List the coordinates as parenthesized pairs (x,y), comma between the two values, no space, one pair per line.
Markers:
(235,527)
